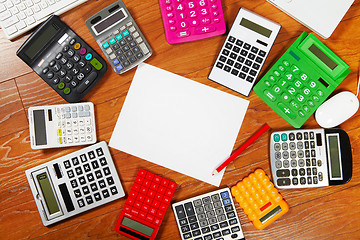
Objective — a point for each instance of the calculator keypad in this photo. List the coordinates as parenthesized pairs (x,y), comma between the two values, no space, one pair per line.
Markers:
(290,90)
(73,69)
(91,178)
(75,124)
(192,20)
(208,216)
(296,160)
(295,93)
(240,59)
(125,48)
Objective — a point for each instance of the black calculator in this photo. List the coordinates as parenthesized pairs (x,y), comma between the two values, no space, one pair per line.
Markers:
(62,59)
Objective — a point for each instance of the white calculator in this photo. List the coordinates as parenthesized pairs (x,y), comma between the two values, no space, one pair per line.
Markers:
(244,51)
(208,216)
(74,183)
(310,158)
(62,125)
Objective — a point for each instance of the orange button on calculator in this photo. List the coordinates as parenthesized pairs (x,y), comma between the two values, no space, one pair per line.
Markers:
(259,199)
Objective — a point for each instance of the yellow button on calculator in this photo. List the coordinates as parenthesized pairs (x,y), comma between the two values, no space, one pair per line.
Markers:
(77,46)
(259,199)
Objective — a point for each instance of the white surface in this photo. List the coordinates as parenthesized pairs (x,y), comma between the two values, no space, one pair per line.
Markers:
(337,109)
(178,123)
(321,16)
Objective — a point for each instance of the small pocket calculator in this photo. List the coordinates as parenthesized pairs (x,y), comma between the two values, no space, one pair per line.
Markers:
(192,20)
(244,51)
(261,202)
(208,216)
(146,206)
(62,59)
(310,158)
(119,37)
(301,80)
(74,183)
(62,125)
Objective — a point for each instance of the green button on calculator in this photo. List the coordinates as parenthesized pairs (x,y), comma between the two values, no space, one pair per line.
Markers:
(301,80)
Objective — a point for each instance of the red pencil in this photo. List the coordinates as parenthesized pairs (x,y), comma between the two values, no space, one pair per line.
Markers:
(242,148)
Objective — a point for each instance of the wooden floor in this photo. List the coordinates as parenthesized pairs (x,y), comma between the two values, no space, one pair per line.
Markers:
(319,213)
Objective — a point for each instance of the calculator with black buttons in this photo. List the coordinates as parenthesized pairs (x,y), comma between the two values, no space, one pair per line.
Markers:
(62,125)
(244,51)
(74,183)
(310,158)
(208,216)
(62,59)
(119,37)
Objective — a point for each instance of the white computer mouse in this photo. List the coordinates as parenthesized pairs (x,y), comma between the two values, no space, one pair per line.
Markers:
(337,109)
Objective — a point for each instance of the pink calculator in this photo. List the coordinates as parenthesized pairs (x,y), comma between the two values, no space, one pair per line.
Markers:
(191,20)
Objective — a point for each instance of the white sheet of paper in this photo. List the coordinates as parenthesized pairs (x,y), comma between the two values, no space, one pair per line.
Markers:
(178,123)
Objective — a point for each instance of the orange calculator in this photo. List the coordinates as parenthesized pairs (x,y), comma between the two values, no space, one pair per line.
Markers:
(259,199)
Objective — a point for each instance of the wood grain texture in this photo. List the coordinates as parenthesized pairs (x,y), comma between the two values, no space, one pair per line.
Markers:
(12,114)
(319,213)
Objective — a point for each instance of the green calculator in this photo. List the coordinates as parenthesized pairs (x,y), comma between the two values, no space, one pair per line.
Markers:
(301,80)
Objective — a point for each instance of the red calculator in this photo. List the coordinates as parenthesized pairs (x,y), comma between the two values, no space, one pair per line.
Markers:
(145,206)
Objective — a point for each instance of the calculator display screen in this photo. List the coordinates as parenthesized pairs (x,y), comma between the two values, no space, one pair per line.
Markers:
(48,193)
(137,226)
(37,44)
(270,214)
(255,27)
(335,160)
(323,57)
(107,22)
(39,127)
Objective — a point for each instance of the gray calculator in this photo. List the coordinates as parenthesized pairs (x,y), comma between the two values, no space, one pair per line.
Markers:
(208,216)
(310,158)
(119,37)
(74,183)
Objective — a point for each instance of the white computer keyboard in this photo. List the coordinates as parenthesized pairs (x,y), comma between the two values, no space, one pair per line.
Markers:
(19,16)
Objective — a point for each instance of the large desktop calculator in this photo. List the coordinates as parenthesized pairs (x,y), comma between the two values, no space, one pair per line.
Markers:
(192,20)
(259,199)
(119,37)
(74,183)
(146,206)
(244,51)
(310,158)
(208,216)
(62,125)
(62,59)
(301,80)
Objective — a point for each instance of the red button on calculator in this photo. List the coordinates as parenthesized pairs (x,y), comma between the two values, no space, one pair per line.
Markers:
(146,205)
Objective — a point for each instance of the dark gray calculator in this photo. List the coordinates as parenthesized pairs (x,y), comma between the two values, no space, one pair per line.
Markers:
(119,37)
(62,59)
